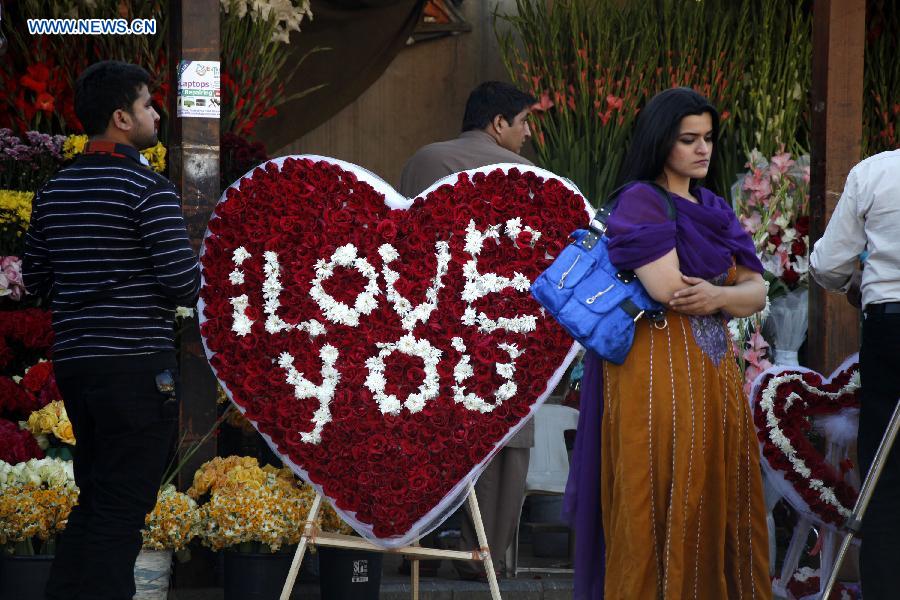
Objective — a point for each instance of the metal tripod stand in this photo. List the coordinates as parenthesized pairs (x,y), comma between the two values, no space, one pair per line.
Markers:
(865,494)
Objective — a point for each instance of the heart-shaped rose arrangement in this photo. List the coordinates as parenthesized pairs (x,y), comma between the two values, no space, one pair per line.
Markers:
(789,404)
(384,347)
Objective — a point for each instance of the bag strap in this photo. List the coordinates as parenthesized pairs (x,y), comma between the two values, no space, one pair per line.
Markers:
(612,201)
(597,225)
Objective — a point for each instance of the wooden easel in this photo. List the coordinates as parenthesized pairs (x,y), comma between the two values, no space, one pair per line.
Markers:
(312,535)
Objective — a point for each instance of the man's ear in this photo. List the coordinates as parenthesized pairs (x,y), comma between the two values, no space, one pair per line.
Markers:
(121,119)
(498,123)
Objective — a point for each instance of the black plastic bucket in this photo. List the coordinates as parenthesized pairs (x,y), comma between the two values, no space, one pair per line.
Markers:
(349,574)
(24,577)
(251,576)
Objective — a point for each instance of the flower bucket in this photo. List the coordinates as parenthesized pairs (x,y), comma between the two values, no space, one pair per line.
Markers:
(349,574)
(255,576)
(151,574)
(24,577)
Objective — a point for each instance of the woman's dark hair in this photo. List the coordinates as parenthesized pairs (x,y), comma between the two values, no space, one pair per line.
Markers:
(493,98)
(657,129)
(105,87)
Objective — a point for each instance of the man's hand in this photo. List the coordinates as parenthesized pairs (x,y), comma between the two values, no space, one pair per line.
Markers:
(702,298)
(854,293)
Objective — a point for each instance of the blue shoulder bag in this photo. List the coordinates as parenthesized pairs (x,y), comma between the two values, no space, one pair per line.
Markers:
(594,301)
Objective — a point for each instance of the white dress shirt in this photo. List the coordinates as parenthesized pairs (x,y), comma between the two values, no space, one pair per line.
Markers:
(867,217)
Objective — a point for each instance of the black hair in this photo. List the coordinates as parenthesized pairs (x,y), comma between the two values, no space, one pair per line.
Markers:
(657,128)
(493,98)
(103,88)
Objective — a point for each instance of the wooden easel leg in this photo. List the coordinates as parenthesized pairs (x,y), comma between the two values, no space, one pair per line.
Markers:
(301,548)
(414,572)
(483,544)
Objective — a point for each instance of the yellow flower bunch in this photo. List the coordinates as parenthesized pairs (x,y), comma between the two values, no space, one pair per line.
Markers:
(237,420)
(174,521)
(219,472)
(272,514)
(73,145)
(330,521)
(15,207)
(156,155)
(52,419)
(249,503)
(29,510)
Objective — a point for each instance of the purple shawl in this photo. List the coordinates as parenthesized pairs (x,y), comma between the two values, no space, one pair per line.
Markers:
(581,504)
(706,236)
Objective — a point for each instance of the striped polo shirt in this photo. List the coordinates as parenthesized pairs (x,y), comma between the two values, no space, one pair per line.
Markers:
(107,243)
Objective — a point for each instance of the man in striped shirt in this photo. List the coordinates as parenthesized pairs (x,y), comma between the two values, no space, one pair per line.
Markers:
(107,244)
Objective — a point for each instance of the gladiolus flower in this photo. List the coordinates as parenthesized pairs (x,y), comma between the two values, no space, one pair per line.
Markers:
(543,104)
(614,102)
(44,102)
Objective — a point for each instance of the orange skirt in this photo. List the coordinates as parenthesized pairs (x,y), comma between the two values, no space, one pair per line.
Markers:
(683,508)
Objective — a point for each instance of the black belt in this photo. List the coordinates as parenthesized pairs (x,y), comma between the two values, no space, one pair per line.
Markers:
(885,308)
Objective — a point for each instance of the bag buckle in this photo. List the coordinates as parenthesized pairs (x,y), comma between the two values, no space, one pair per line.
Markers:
(658,318)
(590,240)
(625,276)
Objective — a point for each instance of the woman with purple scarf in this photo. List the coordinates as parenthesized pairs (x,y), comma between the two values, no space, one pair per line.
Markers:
(666,445)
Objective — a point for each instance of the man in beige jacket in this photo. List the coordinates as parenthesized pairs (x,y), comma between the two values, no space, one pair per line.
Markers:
(494,129)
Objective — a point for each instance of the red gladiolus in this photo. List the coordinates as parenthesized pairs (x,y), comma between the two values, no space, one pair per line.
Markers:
(614,102)
(36,77)
(44,102)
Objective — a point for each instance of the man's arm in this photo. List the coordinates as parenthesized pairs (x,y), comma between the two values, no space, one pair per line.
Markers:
(37,273)
(162,228)
(834,257)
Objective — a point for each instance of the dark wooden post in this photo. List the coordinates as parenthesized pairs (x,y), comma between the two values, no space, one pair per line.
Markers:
(194,169)
(837,104)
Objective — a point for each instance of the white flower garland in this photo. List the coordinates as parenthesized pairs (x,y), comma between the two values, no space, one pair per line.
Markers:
(410,315)
(240,322)
(778,437)
(338,312)
(376,382)
(272,291)
(479,285)
(514,228)
(303,388)
(463,370)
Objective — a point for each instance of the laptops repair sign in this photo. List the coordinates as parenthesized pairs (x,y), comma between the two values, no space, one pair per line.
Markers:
(199,89)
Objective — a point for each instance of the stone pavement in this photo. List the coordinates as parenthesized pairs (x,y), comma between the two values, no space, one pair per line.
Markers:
(446,586)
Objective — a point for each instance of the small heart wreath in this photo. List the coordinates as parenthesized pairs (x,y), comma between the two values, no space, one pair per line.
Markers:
(788,405)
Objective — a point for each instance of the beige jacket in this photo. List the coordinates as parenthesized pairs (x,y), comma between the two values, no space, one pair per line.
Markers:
(472,149)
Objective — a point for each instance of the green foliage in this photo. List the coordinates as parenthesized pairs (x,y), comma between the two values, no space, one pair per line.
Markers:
(599,61)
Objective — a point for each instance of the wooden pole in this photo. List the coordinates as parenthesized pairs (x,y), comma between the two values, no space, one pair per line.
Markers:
(194,169)
(482,542)
(308,532)
(193,154)
(837,105)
